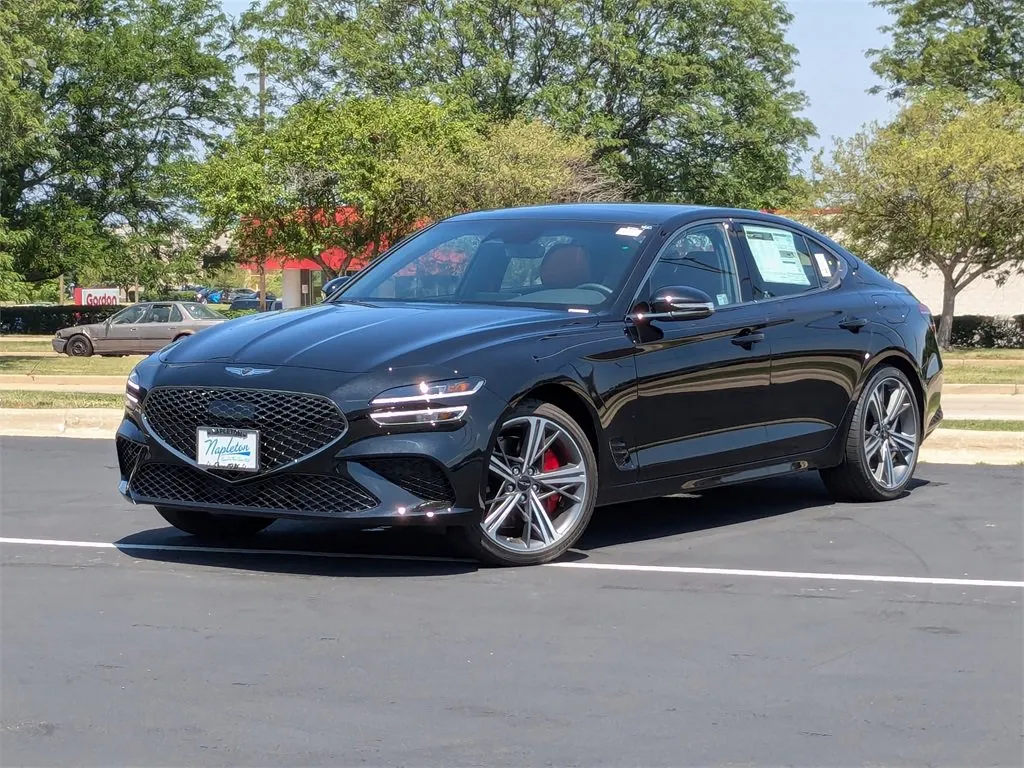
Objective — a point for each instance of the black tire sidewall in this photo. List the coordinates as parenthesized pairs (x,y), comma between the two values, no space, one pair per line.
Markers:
(86,346)
(479,545)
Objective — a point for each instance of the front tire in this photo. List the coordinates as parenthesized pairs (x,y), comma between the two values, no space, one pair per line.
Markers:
(883,443)
(208,525)
(79,346)
(539,492)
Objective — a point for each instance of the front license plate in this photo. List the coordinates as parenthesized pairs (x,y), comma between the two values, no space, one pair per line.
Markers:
(228,448)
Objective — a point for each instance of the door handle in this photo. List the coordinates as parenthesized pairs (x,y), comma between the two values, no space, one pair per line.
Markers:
(747,339)
(853,324)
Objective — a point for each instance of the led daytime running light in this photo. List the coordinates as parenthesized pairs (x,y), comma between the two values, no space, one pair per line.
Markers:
(428,392)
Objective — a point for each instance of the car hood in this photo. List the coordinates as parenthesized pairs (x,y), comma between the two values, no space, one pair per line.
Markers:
(353,338)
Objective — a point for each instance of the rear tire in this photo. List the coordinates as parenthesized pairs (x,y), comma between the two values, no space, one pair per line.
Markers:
(539,491)
(79,346)
(883,442)
(208,525)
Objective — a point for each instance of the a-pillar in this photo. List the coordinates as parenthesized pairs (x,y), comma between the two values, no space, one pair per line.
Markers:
(291,288)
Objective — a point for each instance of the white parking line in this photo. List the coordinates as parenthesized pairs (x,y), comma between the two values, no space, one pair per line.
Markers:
(677,569)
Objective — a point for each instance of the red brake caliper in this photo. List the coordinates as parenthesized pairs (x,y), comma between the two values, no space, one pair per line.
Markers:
(551,462)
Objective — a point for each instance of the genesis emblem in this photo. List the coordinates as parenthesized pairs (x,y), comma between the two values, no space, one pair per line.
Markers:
(248,371)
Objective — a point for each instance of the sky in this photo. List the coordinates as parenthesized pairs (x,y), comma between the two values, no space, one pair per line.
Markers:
(832,37)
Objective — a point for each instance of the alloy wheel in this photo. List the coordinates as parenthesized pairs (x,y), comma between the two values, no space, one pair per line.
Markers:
(79,347)
(537,486)
(890,433)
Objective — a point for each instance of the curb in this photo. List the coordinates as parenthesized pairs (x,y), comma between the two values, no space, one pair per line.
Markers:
(943,446)
(95,423)
(982,389)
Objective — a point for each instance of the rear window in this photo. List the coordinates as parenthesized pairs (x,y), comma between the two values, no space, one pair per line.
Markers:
(201,311)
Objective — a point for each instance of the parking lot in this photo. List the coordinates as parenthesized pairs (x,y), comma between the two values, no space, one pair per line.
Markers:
(754,625)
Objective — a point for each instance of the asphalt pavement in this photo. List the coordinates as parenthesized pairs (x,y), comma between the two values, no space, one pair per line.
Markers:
(759,625)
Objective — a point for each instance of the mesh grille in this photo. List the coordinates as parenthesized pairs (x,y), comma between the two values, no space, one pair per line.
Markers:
(291,425)
(128,453)
(287,493)
(420,477)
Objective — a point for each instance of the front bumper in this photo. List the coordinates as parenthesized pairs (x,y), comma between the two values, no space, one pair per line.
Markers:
(370,477)
(59,344)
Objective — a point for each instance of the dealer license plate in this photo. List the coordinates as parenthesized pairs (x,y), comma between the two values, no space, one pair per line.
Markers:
(228,448)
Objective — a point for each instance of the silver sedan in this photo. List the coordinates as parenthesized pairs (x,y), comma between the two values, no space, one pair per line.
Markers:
(140,329)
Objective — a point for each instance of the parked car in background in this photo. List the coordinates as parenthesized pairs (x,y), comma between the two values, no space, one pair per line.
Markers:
(253,302)
(140,329)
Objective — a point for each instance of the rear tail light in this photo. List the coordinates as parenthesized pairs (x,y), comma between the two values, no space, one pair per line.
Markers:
(924,310)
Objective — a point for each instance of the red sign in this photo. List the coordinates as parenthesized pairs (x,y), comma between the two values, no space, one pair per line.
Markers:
(96,297)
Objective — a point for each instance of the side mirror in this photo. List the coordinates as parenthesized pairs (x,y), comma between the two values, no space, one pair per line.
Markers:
(334,284)
(681,303)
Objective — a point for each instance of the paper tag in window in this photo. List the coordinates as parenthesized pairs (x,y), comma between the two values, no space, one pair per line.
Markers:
(630,231)
(823,266)
(722,299)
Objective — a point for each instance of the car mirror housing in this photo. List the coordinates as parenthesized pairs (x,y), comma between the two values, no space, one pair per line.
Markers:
(681,303)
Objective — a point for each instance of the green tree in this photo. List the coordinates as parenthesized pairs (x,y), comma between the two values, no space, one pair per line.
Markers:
(942,187)
(362,173)
(687,100)
(973,46)
(100,102)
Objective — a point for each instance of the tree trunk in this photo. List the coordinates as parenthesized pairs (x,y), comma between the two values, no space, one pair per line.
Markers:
(949,292)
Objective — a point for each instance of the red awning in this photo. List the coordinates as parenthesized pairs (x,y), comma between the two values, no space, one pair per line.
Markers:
(333,257)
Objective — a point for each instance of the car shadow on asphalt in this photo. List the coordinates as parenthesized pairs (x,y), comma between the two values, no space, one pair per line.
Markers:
(328,549)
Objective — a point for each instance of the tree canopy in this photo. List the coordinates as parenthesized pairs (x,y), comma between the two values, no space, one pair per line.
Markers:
(942,186)
(101,101)
(687,100)
(973,46)
(360,173)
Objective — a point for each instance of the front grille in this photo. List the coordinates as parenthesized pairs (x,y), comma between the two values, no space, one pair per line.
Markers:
(128,453)
(325,494)
(291,425)
(420,477)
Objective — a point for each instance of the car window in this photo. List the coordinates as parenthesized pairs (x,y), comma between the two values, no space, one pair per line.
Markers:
(540,262)
(825,261)
(435,273)
(700,258)
(130,315)
(175,316)
(201,311)
(781,263)
(159,313)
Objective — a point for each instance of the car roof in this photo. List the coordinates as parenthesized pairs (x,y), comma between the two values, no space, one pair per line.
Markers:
(639,213)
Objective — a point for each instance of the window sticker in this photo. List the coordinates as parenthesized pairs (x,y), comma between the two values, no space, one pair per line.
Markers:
(776,255)
(631,231)
(722,299)
(823,267)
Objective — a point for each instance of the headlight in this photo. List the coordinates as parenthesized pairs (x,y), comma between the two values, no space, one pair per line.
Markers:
(132,388)
(418,403)
(425,392)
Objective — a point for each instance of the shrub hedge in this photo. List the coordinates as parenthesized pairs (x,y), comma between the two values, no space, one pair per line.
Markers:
(982,331)
(47,320)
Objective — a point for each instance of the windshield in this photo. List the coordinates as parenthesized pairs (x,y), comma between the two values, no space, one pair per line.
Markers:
(553,263)
(201,311)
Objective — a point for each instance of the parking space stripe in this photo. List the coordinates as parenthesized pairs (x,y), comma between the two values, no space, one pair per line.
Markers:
(670,569)
(792,575)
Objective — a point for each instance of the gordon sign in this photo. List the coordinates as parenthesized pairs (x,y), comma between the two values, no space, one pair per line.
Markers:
(94,297)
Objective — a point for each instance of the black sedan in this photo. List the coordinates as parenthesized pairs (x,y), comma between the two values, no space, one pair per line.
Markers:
(501,373)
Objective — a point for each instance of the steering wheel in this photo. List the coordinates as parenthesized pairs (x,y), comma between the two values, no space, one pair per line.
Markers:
(596,287)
